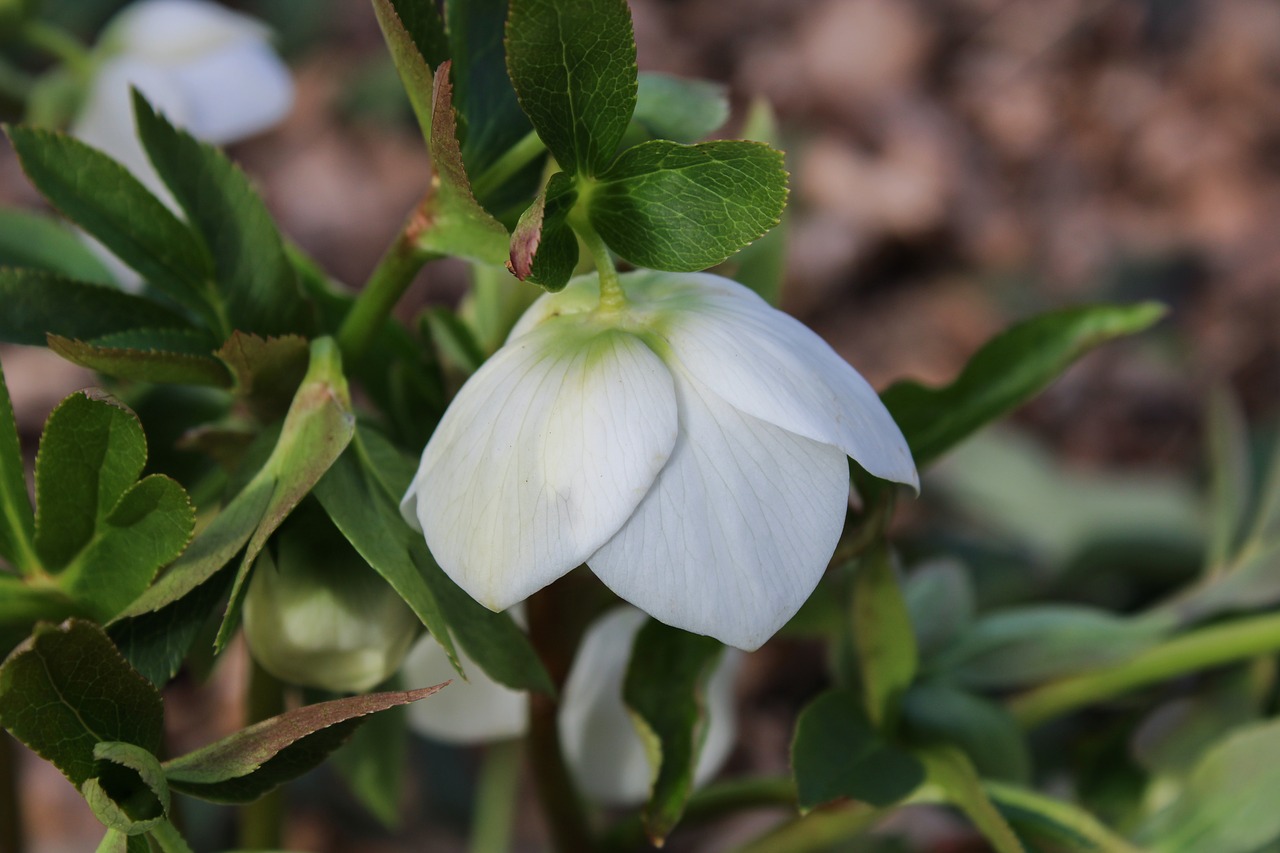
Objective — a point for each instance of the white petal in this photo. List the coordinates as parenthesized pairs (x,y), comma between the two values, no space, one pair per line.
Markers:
(580,295)
(234,92)
(737,529)
(541,457)
(770,365)
(601,744)
(173,30)
(476,710)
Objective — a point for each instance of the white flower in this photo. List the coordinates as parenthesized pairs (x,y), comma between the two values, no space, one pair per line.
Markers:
(208,69)
(601,745)
(689,447)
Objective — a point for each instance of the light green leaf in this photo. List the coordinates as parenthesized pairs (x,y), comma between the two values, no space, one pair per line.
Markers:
(676,207)
(885,641)
(1060,824)
(130,793)
(254,276)
(951,770)
(573,66)
(414,31)
(38,303)
(676,108)
(17,521)
(1009,370)
(106,200)
(835,753)
(67,689)
(31,240)
(665,690)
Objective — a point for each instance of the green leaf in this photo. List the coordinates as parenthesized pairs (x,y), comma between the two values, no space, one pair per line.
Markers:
(412,29)
(156,642)
(369,517)
(676,108)
(39,303)
(254,275)
(265,371)
(951,770)
(835,753)
(665,690)
(130,793)
(1009,370)
(1061,825)
(573,66)
(885,641)
(373,764)
(67,689)
(676,207)
(453,222)
(941,603)
(1230,479)
(1228,804)
(1035,643)
(494,304)
(987,733)
(21,606)
(31,240)
(489,116)
(544,249)
(17,521)
(244,766)
(144,365)
(106,200)
(762,266)
(91,453)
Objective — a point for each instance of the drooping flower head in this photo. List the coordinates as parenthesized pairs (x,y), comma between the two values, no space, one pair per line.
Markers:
(688,443)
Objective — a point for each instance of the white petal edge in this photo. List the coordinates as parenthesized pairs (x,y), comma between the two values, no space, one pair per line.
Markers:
(737,529)
(602,747)
(770,365)
(541,458)
(174,30)
(472,711)
(234,92)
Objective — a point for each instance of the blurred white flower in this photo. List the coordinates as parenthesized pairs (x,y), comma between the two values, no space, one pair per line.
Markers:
(211,71)
(601,745)
(689,447)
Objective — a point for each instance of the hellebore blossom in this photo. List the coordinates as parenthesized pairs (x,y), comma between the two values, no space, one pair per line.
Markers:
(211,71)
(601,745)
(316,615)
(680,436)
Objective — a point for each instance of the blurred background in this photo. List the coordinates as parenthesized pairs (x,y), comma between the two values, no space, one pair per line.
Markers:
(956,165)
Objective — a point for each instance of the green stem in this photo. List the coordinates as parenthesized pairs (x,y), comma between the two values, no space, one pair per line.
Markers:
(14,82)
(261,822)
(11,833)
(612,297)
(496,798)
(167,837)
(512,161)
(711,803)
(59,43)
(558,795)
(819,830)
(382,291)
(1208,647)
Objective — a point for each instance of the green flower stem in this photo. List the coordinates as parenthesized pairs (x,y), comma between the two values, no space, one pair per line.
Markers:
(512,161)
(11,833)
(549,612)
(167,837)
(383,290)
(59,43)
(611,296)
(261,822)
(711,803)
(1215,645)
(821,829)
(496,798)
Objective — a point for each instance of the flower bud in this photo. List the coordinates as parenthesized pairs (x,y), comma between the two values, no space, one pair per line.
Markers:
(317,615)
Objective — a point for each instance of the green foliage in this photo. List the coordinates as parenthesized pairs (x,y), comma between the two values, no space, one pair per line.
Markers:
(413,31)
(984,730)
(664,689)
(544,248)
(147,355)
(688,207)
(762,265)
(1007,371)
(675,108)
(373,763)
(17,521)
(885,643)
(573,66)
(38,242)
(951,770)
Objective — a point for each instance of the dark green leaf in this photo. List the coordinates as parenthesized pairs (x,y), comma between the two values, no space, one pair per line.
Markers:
(1009,370)
(986,732)
(885,641)
(39,303)
(106,200)
(66,689)
(940,601)
(676,108)
(573,66)
(835,753)
(373,764)
(91,453)
(412,30)
(242,767)
(951,770)
(667,206)
(31,240)
(452,221)
(254,276)
(762,266)
(143,365)
(665,690)
(17,522)
(544,249)
(129,792)
(21,606)
(266,371)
